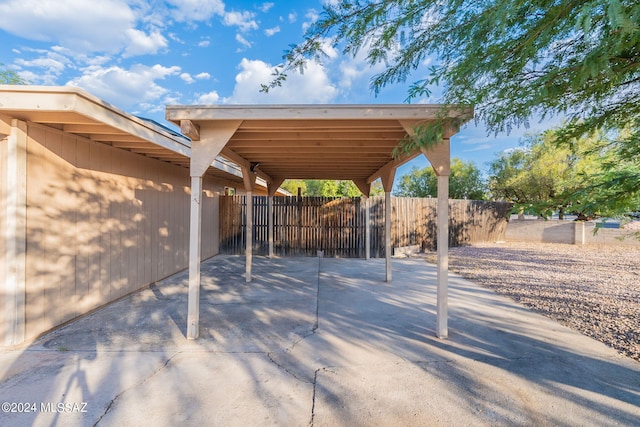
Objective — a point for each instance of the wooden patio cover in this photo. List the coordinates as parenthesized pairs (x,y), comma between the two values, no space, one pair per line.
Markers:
(347,142)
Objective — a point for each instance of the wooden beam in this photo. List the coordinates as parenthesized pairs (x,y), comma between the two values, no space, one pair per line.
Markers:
(440,157)
(363,186)
(5,126)
(272,187)
(304,112)
(191,129)
(214,137)
(313,135)
(229,154)
(393,164)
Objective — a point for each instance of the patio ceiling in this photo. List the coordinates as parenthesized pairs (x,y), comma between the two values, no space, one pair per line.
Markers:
(349,142)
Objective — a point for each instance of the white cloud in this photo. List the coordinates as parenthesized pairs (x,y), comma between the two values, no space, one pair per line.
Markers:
(204,43)
(311,87)
(203,76)
(53,65)
(292,17)
(271,31)
(79,25)
(43,70)
(126,88)
(244,20)
(312,16)
(140,43)
(196,10)
(208,98)
(244,42)
(266,7)
(186,77)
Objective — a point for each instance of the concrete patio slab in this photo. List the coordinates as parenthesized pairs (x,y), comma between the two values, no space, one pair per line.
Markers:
(323,342)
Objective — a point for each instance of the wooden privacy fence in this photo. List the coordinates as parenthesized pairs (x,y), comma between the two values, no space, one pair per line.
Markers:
(305,225)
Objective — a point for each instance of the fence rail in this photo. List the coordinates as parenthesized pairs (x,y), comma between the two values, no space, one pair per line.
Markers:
(304,225)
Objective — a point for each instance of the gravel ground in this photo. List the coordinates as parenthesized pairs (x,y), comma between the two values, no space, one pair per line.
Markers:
(593,289)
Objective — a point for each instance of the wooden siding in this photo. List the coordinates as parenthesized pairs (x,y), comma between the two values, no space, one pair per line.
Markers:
(305,225)
(102,223)
(3,246)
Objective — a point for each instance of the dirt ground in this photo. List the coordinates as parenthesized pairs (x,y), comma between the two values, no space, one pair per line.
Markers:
(593,289)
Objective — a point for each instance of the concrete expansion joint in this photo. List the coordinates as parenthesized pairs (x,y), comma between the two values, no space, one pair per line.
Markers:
(142,381)
(284,369)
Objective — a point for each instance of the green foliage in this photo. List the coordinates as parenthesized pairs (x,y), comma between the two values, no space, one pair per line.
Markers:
(511,59)
(10,77)
(328,188)
(465,182)
(588,177)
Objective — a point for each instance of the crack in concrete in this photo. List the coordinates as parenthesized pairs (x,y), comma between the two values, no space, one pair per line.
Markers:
(313,398)
(117,396)
(312,332)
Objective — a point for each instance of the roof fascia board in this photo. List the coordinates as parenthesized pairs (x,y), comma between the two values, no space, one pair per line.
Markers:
(176,113)
(73,99)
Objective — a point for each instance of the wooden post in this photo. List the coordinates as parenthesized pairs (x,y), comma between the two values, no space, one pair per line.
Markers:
(270,223)
(367,228)
(249,242)
(193,314)
(249,178)
(15,233)
(203,153)
(272,188)
(440,158)
(443,256)
(388,176)
(387,235)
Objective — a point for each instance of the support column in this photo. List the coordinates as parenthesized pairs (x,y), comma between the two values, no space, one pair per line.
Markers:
(387,176)
(249,235)
(272,187)
(15,233)
(195,225)
(203,153)
(443,256)
(249,178)
(367,228)
(365,188)
(387,235)
(270,223)
(440,159)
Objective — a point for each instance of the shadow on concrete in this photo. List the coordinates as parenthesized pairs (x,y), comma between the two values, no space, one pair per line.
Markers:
(320,342)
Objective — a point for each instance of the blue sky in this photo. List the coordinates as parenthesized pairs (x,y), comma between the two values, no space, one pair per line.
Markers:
(141,55)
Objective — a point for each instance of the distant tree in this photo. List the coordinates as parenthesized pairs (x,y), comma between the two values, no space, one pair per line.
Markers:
(328,188)
(546,176)
(292,185)
(10,77)
(465,182)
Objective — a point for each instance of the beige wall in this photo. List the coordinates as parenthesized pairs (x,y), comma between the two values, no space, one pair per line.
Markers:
(3,249)
(569,232)
(102,223)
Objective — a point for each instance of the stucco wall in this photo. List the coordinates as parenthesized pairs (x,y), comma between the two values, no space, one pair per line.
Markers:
(569,232)
(102,223)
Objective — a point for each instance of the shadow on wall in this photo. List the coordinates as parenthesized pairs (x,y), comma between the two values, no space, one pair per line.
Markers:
(102,222)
